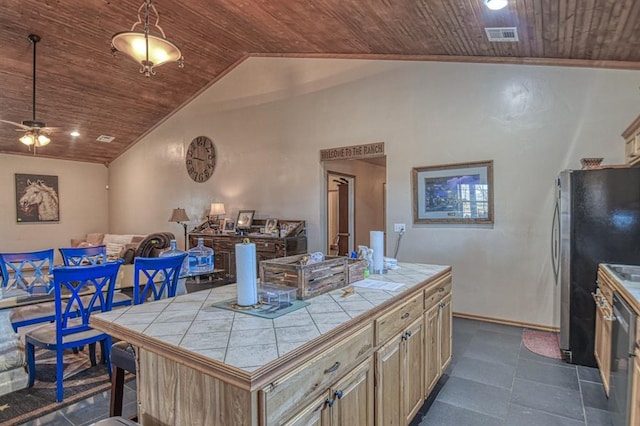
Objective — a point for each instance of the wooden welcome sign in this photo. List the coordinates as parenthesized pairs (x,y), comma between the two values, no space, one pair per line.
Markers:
(354,152)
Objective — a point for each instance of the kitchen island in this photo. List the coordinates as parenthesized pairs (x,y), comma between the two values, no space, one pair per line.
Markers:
(342,359)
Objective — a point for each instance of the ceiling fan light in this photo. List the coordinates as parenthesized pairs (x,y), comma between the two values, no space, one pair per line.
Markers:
(495,4)
(28,139)
(43,140)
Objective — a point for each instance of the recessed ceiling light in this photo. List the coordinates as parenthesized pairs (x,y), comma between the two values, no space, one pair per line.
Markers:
(495,4)
(75,133)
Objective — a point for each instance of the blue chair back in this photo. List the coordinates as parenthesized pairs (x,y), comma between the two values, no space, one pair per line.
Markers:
(26,271)
(79,256)
(74,282)
(156,277)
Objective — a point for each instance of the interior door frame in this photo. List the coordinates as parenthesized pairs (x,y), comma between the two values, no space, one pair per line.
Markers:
(351,179)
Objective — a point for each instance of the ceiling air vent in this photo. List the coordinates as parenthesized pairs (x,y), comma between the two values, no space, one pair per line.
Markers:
(105,138)
(502,34)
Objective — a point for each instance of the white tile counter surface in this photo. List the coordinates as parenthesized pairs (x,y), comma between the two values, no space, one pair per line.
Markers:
(248,342)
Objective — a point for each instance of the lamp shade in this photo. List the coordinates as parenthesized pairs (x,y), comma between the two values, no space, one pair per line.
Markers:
(217,209)
(179,215)
(495,4)
(133,44)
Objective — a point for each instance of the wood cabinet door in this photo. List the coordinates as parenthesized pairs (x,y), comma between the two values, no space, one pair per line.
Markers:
(602,344)
(605,371)
(313,414)
(389,383)
(445,340)
(353,397)
(413,369)
(432,353)
(634,414)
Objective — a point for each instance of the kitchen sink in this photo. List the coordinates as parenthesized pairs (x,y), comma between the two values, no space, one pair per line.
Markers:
(626,272)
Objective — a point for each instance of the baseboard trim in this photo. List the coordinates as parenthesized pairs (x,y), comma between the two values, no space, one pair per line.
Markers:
(507,322)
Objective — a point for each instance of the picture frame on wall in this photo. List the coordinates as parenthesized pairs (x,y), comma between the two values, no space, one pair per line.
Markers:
(453,193)
(37,198)
(245,219)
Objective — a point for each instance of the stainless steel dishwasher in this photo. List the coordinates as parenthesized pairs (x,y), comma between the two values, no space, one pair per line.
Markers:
(622,348)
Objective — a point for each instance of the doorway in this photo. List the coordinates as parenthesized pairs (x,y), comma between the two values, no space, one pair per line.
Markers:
(355,202)
(340,213)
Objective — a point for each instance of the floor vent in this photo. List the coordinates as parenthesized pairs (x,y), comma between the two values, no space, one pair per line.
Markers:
(105,138)
(502,34)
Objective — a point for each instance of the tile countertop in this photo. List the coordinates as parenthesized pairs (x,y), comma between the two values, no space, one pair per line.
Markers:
(629,289)
(190,325)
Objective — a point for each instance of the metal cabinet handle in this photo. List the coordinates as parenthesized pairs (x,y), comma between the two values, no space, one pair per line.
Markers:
(333,368)
(330,402)
(338,394)
(408,333)
(405,315)
(441,289)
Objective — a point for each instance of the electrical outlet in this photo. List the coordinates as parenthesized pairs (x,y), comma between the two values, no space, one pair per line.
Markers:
(399,227)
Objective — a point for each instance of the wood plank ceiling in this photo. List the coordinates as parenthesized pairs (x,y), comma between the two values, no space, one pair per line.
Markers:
(80,85)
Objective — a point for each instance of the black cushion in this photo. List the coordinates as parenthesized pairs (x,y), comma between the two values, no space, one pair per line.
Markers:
(124,356)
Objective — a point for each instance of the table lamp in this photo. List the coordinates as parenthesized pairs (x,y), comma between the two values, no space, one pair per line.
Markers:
(180,216)
(217,210)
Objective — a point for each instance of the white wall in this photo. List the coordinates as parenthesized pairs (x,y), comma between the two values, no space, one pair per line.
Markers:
(270,117)
(82,197)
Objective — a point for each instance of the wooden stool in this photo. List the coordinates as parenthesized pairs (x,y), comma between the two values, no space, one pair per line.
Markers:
(123,359)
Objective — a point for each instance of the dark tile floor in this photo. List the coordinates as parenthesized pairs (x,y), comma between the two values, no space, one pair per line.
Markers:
(493,380)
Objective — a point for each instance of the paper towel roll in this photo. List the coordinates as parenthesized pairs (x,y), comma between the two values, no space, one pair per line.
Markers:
(246,274)
(376,242)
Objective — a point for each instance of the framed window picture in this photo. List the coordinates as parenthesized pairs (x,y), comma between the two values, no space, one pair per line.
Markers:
(229,226)
(37,198)
(271,226)
(244,220)
(453,193)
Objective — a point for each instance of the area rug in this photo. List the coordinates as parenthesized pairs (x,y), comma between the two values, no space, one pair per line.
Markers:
(542,343)
(81,380)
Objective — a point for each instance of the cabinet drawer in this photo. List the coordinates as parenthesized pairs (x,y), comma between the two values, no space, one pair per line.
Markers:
(605,288)
(267,247)
(398,318)
(437,292)
(283,396)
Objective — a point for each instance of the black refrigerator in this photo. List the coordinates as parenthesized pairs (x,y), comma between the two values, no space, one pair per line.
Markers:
(597,220)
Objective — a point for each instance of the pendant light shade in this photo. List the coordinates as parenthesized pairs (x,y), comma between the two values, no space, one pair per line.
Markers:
(496,4)
(147,49)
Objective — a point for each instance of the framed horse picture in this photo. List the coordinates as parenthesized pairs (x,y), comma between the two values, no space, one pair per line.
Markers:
(37,198)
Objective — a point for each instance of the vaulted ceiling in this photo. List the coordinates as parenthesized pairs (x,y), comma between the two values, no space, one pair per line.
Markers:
(81,86)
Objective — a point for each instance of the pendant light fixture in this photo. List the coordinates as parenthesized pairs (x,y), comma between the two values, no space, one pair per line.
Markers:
(145,48)
(495,4)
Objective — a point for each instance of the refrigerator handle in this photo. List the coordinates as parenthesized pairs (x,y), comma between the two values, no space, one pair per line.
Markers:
(555,242)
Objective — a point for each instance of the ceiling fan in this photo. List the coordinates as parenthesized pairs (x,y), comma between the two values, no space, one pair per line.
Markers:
(35,132)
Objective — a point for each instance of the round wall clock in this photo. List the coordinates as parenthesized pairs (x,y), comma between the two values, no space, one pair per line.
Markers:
(201,159)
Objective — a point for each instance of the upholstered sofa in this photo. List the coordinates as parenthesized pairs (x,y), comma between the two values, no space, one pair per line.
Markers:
(127,246)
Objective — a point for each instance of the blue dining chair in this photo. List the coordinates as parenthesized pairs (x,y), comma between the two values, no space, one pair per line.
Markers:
(29,272)
(82,256)
(92,255)
(71,328)
(153,278)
